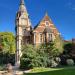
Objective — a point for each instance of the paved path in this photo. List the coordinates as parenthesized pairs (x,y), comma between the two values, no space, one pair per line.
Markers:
(15,72)
(11,73)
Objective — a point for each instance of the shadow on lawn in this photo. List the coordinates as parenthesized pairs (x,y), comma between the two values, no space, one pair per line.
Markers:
(56,72)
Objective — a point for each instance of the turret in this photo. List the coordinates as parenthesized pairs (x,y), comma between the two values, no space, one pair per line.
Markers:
(23,28)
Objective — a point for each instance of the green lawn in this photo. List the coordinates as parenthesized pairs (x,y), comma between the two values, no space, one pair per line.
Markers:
(53,71)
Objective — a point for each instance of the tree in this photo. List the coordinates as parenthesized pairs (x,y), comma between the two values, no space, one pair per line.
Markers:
(53,48)
(68,53)
(28,56)
(59,43)
(33,57)
(7,48)
(7,41)
(69,48)
(42,56)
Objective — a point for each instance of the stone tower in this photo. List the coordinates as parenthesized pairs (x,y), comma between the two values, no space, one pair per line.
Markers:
(23,29)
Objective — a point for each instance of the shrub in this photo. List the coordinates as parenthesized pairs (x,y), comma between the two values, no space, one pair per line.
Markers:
(38,57)
(30,58)
(63,60)
(70,62)
(24,64)
(6,58)
(33,58)
(57,59)
(53,63)
(2,67)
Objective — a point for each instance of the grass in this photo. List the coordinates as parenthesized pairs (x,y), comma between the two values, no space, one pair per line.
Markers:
(52,71)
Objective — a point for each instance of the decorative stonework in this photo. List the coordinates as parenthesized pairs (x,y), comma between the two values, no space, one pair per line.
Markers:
(22,22)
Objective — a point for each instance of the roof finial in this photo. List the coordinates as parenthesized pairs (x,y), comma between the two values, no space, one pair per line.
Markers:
(46,14)
(22,2)
(22,7)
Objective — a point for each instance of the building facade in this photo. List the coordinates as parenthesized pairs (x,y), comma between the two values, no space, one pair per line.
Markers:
(43,32)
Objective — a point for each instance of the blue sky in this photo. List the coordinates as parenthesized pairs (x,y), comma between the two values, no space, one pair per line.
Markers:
(62,13)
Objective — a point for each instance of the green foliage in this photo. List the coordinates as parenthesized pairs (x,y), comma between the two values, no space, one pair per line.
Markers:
(42,56)
(6,58)
(70,62)
(38,57)
(28,56)
(2,67)
(69,47)
(33,57)
(7,42)
(68,53)
(7,48)
(51,49)
(59,44)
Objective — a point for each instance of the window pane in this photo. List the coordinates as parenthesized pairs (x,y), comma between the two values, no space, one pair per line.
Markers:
(41,38)
(50,37)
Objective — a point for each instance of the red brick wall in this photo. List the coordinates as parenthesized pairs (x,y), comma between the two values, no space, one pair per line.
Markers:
(41,26)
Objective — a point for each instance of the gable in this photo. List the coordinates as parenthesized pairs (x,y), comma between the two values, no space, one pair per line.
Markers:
(46,23)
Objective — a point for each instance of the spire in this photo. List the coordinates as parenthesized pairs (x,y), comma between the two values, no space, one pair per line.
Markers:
(22,2)
(46,17)
(46,14)
(22,7)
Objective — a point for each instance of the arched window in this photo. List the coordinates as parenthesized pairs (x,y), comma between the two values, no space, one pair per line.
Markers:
(40,37)
(50,37)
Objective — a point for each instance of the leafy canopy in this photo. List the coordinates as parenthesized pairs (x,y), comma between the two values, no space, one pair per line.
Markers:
(7,42)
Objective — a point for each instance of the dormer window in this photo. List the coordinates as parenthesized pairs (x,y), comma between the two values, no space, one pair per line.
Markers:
(47,23)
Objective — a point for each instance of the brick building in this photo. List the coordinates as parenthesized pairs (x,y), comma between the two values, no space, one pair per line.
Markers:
(43,32)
